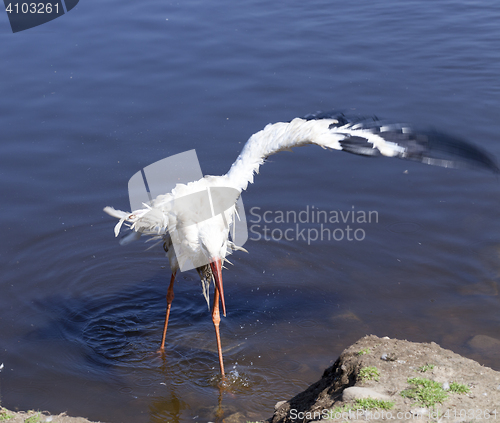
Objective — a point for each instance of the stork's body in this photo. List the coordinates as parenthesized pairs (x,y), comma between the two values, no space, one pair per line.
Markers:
(206,241)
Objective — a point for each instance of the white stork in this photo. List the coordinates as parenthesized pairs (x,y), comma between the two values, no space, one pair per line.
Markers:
(206,241)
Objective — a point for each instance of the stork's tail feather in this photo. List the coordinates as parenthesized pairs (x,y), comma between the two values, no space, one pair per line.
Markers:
(116,213)
(123,216)
(147,221)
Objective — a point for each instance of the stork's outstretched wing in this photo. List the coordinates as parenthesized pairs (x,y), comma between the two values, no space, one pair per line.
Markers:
(363,136)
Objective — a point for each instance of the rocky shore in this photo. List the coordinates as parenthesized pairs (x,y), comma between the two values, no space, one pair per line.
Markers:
(394,380)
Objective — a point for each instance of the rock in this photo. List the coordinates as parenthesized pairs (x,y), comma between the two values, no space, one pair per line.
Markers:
(278,404)
(485,343)
(353,393)
(388,357)
(342,379)
(235,418)
(446,386)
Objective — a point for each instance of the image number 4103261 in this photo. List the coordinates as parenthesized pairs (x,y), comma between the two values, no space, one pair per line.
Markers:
(26,14)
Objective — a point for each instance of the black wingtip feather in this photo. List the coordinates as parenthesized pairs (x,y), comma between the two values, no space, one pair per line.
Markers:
(429,147)
(448,151)
(360,146)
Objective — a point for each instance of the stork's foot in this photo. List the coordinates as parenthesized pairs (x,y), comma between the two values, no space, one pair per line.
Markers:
(220,382)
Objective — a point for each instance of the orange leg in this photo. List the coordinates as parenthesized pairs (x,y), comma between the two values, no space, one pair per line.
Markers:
(216,320)
(170,298)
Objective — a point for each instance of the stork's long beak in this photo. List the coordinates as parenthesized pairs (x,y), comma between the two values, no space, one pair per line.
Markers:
(215,265)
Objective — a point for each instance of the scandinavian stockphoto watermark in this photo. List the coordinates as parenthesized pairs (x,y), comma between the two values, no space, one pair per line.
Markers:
(417,414)
(210,203)
(310,224)
(359,414)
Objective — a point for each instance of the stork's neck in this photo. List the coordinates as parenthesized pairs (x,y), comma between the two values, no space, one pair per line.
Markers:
(275,138)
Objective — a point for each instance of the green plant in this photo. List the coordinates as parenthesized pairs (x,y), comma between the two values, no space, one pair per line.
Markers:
(459,388)
(33,419)
(423,369)
(369,373)
(425,391)
(368,403)
(4,414)
(364,351)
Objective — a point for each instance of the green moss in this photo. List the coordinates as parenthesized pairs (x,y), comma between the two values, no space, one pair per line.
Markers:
(423,369)
(4,414)
(425,391)
(33,419)
(459,388)
(364,351)
(369,403)
(369,373)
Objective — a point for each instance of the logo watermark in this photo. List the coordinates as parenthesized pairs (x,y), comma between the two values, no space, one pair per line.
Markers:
(347,413)
(310,224)
(356,414)
(206,205)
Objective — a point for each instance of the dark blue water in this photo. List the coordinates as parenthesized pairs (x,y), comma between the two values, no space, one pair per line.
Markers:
(92,97)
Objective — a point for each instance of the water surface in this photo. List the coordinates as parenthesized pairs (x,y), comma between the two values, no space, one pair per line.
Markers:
(92,97)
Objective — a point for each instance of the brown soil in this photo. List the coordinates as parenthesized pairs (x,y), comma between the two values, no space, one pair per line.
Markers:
(397,361)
